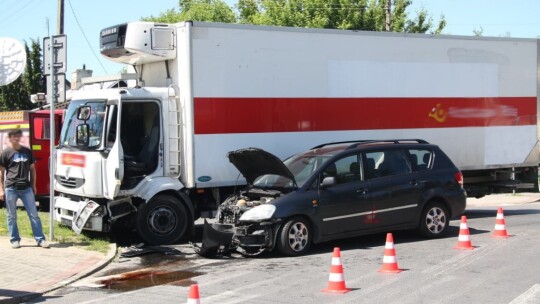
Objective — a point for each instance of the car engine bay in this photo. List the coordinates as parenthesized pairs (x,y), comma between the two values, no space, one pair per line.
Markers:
(235,205)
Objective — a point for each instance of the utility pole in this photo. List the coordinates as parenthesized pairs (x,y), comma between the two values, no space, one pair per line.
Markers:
(60,21)
(53,97)
(388,10)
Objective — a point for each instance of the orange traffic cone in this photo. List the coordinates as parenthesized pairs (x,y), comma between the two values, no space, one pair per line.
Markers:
(193,297)
(464,238)
(500,225)
(336,280)
(389,258)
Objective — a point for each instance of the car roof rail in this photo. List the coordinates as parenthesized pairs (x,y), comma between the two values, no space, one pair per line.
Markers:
(356,143)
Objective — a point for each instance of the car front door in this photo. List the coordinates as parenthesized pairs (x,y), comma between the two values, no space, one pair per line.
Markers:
(344,204)
(394,190)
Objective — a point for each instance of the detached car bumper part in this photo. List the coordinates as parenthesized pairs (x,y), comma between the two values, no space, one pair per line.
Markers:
(248,239)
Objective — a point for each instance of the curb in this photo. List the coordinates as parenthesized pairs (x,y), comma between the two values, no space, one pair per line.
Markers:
(111,254)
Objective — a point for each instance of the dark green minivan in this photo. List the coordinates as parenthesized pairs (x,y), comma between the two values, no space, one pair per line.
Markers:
(336,190)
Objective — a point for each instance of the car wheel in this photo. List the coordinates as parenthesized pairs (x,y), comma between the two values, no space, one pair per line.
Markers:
(163,220)
(295,237)
(434,220)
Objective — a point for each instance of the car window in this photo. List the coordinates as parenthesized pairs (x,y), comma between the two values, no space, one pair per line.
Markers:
(421,159)
(384,163)
(345,170)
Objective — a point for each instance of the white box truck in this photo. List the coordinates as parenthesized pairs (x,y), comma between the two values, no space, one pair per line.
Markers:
(152,152)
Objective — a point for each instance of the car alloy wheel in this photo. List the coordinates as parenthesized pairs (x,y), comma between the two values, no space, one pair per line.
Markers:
(298,236)
(436,220)
(294,237)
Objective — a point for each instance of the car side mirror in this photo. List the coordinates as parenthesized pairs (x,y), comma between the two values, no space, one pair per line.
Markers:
(83,135)
(328,182)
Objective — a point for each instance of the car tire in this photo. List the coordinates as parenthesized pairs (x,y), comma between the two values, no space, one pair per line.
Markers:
(434,220)
(163,220)
(295,237)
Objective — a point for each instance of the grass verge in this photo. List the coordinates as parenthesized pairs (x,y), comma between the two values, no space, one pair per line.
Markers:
(62,234)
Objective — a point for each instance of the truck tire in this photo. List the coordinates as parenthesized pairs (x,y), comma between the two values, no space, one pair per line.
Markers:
(163,220)
(295,237)
(434,220)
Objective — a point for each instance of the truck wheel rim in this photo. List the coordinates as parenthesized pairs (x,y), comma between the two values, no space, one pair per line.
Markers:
(436,220)
(298,236)
(162,220)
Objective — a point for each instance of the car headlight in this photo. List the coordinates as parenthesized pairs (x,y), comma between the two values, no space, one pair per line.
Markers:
(258,213)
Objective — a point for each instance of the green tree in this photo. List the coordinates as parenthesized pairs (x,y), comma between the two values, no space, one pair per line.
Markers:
(367,15)
(197,10)
(16,95)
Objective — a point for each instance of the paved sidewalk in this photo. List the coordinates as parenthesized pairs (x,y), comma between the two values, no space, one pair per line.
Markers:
(30,271)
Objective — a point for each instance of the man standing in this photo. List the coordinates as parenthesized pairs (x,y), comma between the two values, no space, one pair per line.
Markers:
(17,166)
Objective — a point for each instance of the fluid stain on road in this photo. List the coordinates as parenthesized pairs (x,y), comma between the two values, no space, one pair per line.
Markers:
(146,278)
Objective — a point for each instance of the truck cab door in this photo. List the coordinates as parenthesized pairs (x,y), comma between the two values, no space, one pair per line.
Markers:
(40,146)
(113,162)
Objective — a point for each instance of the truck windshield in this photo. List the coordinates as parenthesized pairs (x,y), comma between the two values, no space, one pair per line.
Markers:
(95,124)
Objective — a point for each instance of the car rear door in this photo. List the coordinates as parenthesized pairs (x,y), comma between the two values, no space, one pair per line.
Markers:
(345,206)
(394,190)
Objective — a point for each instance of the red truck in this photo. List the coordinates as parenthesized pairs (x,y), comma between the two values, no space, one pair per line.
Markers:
(35,125)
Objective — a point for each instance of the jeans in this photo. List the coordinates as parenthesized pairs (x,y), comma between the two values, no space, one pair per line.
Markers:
(29,202)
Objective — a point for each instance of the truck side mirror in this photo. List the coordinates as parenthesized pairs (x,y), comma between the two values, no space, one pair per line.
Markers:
(328,181)
(83,135)
(83,113)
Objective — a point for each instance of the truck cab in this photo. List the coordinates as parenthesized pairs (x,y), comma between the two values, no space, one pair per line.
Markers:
(111,160)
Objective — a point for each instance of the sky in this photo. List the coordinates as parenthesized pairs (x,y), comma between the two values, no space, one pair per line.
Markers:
(84,19)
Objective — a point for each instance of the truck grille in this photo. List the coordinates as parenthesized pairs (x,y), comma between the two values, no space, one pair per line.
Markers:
(70,182)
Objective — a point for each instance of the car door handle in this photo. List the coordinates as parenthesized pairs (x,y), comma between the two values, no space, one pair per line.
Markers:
(414,182)
(362,191)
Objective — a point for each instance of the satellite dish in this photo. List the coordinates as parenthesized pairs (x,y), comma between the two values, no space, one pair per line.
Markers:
(12,60)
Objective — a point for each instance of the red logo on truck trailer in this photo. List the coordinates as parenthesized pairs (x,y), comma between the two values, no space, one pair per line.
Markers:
(74,160)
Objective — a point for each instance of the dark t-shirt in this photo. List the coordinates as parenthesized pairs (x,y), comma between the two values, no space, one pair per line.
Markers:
(17,164)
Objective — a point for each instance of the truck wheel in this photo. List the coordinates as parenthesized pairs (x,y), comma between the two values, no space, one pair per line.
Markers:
(163,220)
(434,220)
(294,238)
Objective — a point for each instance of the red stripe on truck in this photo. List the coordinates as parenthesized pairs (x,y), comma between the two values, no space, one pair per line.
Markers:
(261,115)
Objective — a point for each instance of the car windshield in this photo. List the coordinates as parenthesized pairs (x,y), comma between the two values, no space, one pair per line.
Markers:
(95,123)
(301,166)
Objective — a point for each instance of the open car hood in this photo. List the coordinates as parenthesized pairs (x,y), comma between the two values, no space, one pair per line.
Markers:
(253,163)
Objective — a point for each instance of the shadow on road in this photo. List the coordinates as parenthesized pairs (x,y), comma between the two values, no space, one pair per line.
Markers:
(128,238)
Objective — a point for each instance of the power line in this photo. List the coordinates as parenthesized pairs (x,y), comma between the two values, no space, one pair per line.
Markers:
(12,15)
(9,8)
(86,38)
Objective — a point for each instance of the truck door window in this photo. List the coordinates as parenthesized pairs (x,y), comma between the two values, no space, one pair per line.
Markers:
(41,127)
(140,137)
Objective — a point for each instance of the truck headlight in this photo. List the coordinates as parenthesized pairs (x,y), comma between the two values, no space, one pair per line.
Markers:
(258,213)
(99,211)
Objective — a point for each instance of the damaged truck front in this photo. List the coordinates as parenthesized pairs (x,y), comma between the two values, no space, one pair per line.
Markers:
(246,220)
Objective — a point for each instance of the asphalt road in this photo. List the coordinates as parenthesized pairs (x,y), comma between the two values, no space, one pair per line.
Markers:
(496,271)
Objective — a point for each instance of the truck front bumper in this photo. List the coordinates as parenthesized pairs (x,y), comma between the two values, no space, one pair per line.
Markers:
(82,215)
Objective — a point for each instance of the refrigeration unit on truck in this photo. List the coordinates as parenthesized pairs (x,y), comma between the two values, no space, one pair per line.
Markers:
(152,155)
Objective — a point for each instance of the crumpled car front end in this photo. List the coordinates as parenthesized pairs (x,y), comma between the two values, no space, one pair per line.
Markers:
(245,219)
(244,223)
